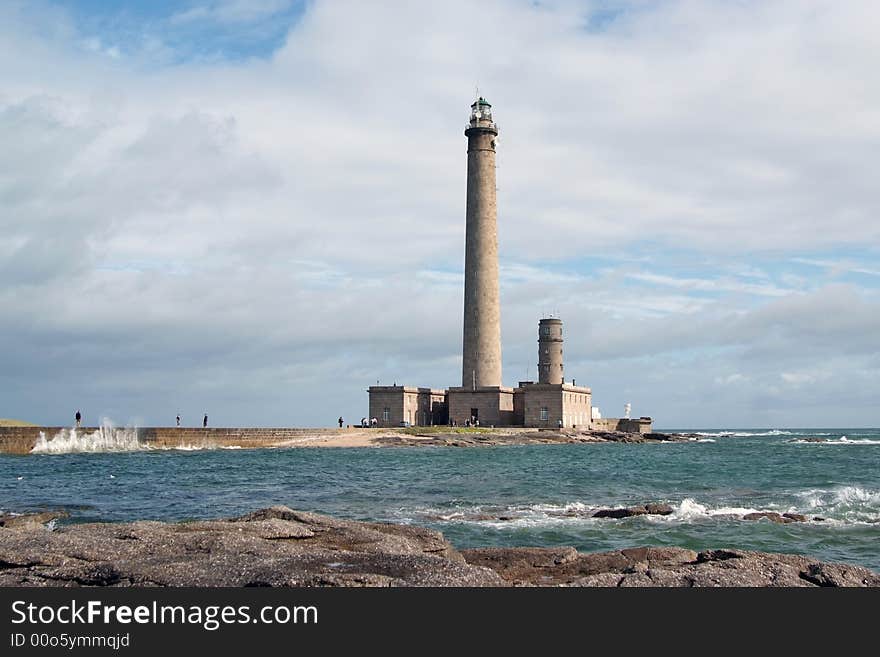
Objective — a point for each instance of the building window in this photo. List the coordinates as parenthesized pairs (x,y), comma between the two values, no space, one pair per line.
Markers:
(545,330)
(386,414)
(545,414)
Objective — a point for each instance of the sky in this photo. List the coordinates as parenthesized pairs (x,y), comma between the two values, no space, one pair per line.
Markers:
(255,209)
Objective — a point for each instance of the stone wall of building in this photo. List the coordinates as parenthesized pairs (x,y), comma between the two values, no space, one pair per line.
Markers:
(395,405)
(387,405)
(545,405)
(631,425)
(494,406)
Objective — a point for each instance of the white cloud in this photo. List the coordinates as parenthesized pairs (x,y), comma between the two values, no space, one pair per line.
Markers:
(261,232)
(712,285)
(838,266)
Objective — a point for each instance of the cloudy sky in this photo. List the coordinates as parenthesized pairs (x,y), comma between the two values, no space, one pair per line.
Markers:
(255,208)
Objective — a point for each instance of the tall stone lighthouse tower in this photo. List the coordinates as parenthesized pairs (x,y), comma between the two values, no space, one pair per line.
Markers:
(481,399)
(481,361)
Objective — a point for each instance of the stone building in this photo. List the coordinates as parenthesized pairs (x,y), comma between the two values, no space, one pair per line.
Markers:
(551,402)
(482,398)
(395,405)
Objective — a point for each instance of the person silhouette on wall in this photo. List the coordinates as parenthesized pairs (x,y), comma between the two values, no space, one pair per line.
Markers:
(205,422)
(78,418)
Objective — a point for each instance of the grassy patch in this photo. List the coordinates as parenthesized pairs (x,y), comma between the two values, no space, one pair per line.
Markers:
(15,423)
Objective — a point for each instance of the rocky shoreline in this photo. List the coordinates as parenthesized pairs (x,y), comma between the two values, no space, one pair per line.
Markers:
(497,437)
(279,546)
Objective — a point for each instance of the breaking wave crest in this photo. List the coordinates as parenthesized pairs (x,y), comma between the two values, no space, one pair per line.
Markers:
(848,503)
(106,438)
(746,434)
(845,505)
(843,440)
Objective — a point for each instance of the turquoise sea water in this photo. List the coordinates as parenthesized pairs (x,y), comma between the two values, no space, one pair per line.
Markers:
(538,495)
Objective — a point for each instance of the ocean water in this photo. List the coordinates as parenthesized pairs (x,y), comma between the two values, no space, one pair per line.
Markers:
(528,495)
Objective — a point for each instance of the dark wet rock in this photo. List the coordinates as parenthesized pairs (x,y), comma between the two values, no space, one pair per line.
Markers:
(30,520)
(669,437)
(640,510)
(772,516)
(625,512)
(818,519)
(279,546)
(796,517)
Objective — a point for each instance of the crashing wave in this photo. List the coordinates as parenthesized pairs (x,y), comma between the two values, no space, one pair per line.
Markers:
(105,438)
(843,440)
(845,505)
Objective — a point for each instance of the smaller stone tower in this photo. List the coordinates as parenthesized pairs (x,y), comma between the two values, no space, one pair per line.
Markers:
(550,351)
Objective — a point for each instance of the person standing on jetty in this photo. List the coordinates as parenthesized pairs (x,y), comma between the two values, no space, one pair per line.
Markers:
(78,418)
(340,421)
(178,419)
(205,422)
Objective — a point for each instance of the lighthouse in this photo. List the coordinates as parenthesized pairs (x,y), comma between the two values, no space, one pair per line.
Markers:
(481,399)
(481,349)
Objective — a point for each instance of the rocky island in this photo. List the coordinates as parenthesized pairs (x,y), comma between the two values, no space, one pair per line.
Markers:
(279,546)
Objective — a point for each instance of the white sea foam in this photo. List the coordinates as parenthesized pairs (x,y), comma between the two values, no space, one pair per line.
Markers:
(690,509)
(188,448)
(105,438)
(843,440)
(845,505)
(748,434)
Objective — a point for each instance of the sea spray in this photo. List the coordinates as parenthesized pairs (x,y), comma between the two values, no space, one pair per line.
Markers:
(105,438)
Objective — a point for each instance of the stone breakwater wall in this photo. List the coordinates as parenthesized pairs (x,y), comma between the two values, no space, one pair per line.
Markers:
(21,440)
(633,425)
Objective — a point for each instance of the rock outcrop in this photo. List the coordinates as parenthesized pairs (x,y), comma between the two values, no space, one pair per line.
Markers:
(495,437)
(640,510)
(272,547)
(30,520)
(664,566)
(772,516)
(282,547)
